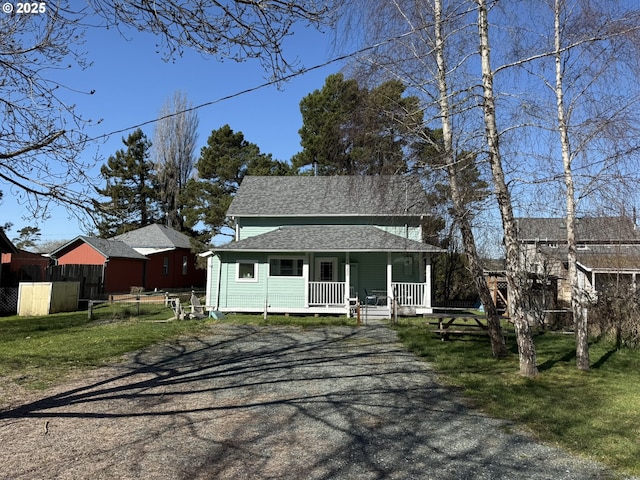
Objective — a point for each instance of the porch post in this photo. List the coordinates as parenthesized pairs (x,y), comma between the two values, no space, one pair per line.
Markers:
(347,282)
(427,281)
(389,279)
(305,275)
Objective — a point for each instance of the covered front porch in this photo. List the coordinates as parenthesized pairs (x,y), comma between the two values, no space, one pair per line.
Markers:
(409,298)
(271,273)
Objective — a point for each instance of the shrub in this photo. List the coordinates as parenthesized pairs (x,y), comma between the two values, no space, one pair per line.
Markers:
(616,315)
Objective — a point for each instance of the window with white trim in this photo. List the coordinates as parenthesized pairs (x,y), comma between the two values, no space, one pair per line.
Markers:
(285,267)
(246,271)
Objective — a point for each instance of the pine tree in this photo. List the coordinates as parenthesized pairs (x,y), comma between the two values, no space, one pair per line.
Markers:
(130,185)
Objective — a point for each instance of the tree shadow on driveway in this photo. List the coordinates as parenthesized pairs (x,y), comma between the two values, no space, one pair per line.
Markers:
(270,402)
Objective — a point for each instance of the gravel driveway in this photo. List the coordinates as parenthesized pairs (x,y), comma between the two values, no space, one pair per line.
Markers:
(249,402)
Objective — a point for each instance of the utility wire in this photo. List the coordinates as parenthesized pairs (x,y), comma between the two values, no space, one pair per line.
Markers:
(276,81)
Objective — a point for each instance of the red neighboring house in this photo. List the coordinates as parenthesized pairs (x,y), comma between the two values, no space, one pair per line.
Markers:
(171,263)
(5,247)
(23,266)
(122,266)
(153,257)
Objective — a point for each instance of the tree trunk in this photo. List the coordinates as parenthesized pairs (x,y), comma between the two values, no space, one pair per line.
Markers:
(516,279)
(498,347)
(579,316)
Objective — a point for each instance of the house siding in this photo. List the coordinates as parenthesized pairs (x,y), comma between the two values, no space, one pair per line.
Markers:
(402,227)
(243,294)
(122,273)
(281,293)
(83,254)
(156,277)
(286,292)
(213,285)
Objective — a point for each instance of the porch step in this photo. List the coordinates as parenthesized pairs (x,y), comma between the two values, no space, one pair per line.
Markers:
(374,312)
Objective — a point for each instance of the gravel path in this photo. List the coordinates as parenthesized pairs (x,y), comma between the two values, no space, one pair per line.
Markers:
(250,402)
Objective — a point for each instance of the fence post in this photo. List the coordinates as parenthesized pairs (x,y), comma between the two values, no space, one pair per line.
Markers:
(90,309)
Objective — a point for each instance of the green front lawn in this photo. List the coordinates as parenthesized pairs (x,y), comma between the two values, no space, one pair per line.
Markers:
(38,351)
(595,413)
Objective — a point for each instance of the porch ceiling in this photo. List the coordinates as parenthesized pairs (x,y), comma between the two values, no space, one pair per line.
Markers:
(328,238)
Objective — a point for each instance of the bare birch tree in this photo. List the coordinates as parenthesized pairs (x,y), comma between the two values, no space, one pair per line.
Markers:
(419,59)
(42,133)
(236,29)
(41,130)
(516,276)
(582,31)
(459,205)
(174,146)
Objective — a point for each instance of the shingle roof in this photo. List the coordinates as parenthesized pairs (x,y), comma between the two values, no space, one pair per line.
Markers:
(5,244)
(107,247)
(155,236)
(327,238)
(329,196)
(588,229)
(602,257)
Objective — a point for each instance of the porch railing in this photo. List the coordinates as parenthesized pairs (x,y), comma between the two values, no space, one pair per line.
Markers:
(326,293)
(409,294)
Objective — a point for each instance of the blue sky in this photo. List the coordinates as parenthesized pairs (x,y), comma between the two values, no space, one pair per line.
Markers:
(131,83)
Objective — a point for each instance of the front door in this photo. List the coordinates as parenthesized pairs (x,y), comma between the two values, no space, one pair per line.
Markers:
(326,269)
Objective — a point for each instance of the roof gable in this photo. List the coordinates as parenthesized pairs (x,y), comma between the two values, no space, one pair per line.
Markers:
(390,195)
(327,238)
(108,248)
(5,244)
(588,230)
(154,237)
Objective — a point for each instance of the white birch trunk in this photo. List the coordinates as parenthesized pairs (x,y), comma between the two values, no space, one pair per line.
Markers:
(498,346)
(515,274)
(579,316)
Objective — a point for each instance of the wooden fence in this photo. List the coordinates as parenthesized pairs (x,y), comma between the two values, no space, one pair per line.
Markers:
(89,276)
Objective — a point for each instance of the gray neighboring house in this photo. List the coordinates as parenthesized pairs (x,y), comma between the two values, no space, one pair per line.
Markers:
(608,251)
(309,244)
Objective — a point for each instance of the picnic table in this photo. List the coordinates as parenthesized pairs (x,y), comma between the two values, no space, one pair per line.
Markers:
(459,323)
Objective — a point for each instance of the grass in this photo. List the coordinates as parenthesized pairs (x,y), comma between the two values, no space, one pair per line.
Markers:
(595,414)
(38,351)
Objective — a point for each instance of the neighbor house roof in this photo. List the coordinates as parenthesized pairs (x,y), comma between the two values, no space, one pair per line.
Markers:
(108,248)
(588,230)
(390,195)
(154,239)
(602,258)
(327,238)
(5,244)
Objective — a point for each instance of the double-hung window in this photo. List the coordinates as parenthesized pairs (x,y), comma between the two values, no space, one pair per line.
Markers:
(285,267)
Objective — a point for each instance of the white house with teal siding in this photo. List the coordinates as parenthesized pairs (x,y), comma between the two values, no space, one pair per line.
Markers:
(313,244)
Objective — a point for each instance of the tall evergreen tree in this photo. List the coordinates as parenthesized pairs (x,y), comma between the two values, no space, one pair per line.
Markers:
(130,187)
(27,238)
(223,163)
(349,130)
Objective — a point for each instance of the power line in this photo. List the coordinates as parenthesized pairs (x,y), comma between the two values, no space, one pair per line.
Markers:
(270,83)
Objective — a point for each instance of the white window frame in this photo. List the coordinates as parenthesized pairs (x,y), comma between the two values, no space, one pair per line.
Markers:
(253,279)
(334,268)
(286,257)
